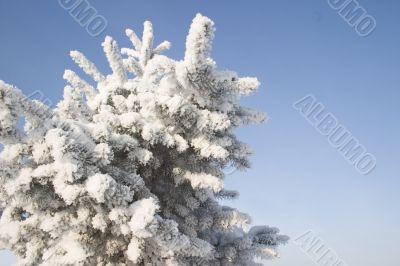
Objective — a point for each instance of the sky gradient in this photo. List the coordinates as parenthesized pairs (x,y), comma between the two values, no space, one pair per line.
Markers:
(298,181)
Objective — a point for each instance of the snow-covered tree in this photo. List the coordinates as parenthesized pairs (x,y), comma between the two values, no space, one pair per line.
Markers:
(129,171)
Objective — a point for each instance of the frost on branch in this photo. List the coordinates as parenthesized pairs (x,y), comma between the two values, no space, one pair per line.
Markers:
(129,171)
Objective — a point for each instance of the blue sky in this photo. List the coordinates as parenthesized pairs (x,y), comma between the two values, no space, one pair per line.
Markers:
(298,182)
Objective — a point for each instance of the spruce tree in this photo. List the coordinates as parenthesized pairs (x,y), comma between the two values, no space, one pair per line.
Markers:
(130,171)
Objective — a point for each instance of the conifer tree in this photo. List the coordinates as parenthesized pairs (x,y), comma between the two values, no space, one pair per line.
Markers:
(128,169)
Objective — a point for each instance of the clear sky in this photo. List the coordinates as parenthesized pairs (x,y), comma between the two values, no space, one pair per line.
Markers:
(298,182)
